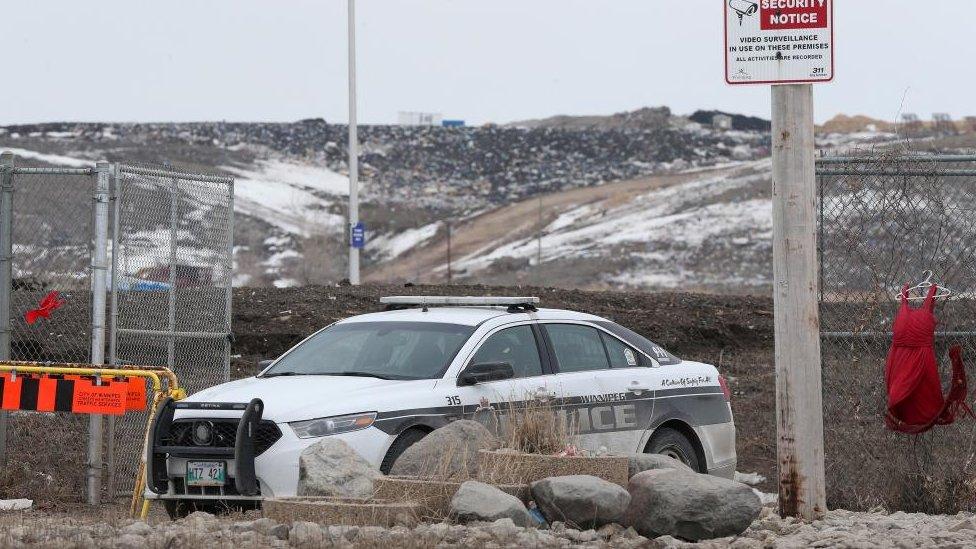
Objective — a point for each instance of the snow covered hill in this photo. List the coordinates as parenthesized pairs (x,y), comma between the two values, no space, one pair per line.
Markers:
(650,200)
(707,230)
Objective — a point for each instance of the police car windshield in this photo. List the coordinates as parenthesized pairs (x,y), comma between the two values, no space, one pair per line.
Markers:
(385,350)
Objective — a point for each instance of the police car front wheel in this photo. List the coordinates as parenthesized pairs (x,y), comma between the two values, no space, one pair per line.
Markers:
(404,441)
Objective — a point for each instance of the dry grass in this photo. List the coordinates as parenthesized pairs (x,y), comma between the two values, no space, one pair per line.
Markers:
(537,427)
(453,463)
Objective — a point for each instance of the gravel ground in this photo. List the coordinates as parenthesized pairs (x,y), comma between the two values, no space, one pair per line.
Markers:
(838,529)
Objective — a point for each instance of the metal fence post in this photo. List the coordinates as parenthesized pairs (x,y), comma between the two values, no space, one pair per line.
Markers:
(113,320)
(99,274)
(6,273)
(173,235)
(229,279)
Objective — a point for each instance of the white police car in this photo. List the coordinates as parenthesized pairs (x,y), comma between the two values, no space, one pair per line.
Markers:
(382,381)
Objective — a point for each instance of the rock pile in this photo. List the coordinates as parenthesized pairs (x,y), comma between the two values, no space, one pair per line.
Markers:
(663,497)
(332,468)
(582,500)
(837,529)
(689,505)
(477,501)
(448,453)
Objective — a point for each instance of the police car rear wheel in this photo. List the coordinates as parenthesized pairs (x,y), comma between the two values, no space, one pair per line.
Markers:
(672,443)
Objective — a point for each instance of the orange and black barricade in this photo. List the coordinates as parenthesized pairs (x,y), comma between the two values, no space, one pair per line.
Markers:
(73,394)
(89,389)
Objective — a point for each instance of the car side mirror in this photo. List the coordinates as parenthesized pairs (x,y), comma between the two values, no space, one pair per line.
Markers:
(485,371)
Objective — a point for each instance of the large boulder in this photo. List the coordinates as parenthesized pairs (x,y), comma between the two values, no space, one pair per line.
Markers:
(448,453)
(690,506)
(581,500)
(331,467)
(477,501)
(638,463)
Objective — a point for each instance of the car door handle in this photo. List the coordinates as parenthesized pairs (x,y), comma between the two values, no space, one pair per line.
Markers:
(637,387)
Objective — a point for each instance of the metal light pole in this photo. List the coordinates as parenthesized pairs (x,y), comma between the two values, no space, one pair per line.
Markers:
(353,151)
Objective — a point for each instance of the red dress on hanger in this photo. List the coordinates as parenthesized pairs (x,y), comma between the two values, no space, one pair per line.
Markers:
(915,400)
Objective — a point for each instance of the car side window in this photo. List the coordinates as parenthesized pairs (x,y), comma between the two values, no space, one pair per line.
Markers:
(621,355)
(578,348)
(516,346)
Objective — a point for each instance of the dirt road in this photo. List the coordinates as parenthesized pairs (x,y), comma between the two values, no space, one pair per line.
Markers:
(484,232)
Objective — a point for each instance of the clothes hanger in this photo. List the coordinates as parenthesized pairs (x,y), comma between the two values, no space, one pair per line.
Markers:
(923,288)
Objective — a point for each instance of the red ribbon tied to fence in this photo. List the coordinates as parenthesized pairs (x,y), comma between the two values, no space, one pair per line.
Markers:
(47,305)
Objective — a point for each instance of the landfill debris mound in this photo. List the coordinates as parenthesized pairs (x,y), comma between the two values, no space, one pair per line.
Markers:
(445,167)
(644,199)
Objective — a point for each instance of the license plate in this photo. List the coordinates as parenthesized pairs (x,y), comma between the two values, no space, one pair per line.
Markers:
(206,473)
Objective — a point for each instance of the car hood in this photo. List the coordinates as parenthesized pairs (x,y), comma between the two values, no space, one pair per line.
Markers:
(296,398)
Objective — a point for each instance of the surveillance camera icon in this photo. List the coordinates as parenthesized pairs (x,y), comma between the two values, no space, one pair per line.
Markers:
(743,8)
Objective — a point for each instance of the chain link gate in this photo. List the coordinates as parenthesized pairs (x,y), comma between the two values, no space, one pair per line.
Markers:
(169,234)
(884,219)
(172,282)
(46,241)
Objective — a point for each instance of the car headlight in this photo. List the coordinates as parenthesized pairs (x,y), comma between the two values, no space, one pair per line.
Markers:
(334,425)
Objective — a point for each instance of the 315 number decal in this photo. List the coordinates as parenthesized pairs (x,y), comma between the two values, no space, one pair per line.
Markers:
(454,400)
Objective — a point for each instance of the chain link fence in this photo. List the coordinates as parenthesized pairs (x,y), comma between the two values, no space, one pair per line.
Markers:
(170,243)
(884,219)
(46,221)
(172,279)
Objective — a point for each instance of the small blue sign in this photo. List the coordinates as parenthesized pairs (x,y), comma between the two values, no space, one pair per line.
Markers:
(357,236)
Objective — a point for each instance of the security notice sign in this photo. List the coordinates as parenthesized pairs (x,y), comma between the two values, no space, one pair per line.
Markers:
(779,41)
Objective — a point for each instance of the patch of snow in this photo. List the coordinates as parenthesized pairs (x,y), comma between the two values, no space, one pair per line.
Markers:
(277,241)
(752,479)
(313,177)
(55,159)
(569,218)
(674,216)
(151,248)
(278,258)
(16,504)
(61,135)
(287,195)
(286,283)
(390,246)
(764,498)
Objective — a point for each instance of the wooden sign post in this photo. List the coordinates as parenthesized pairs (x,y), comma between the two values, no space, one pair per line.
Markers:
(796,318)
(789,44)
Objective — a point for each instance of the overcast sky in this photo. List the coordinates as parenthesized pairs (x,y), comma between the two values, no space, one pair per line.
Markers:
(479,60)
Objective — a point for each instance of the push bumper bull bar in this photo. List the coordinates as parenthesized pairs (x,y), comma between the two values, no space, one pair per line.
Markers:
(245,479)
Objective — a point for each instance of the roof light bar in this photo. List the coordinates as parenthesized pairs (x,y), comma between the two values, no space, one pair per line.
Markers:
(457,301)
